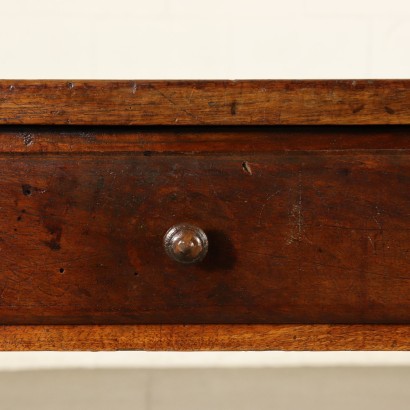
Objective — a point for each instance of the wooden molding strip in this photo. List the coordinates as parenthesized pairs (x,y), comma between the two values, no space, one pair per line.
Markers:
(206,337)
(265,102)
(150,141)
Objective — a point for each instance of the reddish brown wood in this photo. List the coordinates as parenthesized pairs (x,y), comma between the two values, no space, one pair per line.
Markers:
(309,236)
(306,224)
(205,102)
(205,337)
(204,140)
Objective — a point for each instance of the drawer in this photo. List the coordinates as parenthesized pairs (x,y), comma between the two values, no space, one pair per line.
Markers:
(305,225)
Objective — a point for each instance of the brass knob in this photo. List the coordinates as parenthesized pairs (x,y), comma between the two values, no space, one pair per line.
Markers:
(186,243)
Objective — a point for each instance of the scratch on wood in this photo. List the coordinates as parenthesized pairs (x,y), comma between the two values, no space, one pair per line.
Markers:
(169,99)
(268,198)
(246,167)
(296,216)
(372,243)
(190,95)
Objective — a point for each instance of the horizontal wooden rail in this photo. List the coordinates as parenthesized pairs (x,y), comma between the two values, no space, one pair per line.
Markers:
(206,337)
(266,102)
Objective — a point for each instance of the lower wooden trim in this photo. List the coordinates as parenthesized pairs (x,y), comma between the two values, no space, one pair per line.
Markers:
(206,337)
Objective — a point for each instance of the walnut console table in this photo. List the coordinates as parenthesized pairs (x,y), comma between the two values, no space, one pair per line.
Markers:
(205,215)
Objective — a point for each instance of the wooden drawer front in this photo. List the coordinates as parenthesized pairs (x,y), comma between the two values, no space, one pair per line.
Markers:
(294,237)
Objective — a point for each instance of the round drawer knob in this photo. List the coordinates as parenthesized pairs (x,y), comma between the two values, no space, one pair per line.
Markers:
(186,243)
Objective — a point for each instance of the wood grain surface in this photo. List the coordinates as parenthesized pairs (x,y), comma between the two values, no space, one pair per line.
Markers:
(205,337)
(205,102)
(153,141)
(302,187)
(303,236)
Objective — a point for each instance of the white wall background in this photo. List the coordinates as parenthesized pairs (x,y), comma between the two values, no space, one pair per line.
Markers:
(155,39)
(212,39)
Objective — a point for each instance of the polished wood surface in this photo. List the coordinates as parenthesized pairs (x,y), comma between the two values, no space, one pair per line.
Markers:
(206,337)
(311,235)
(300,186)
(205,102)
(154,141)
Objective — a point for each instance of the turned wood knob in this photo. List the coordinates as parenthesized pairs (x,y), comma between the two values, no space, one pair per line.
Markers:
(186,243)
